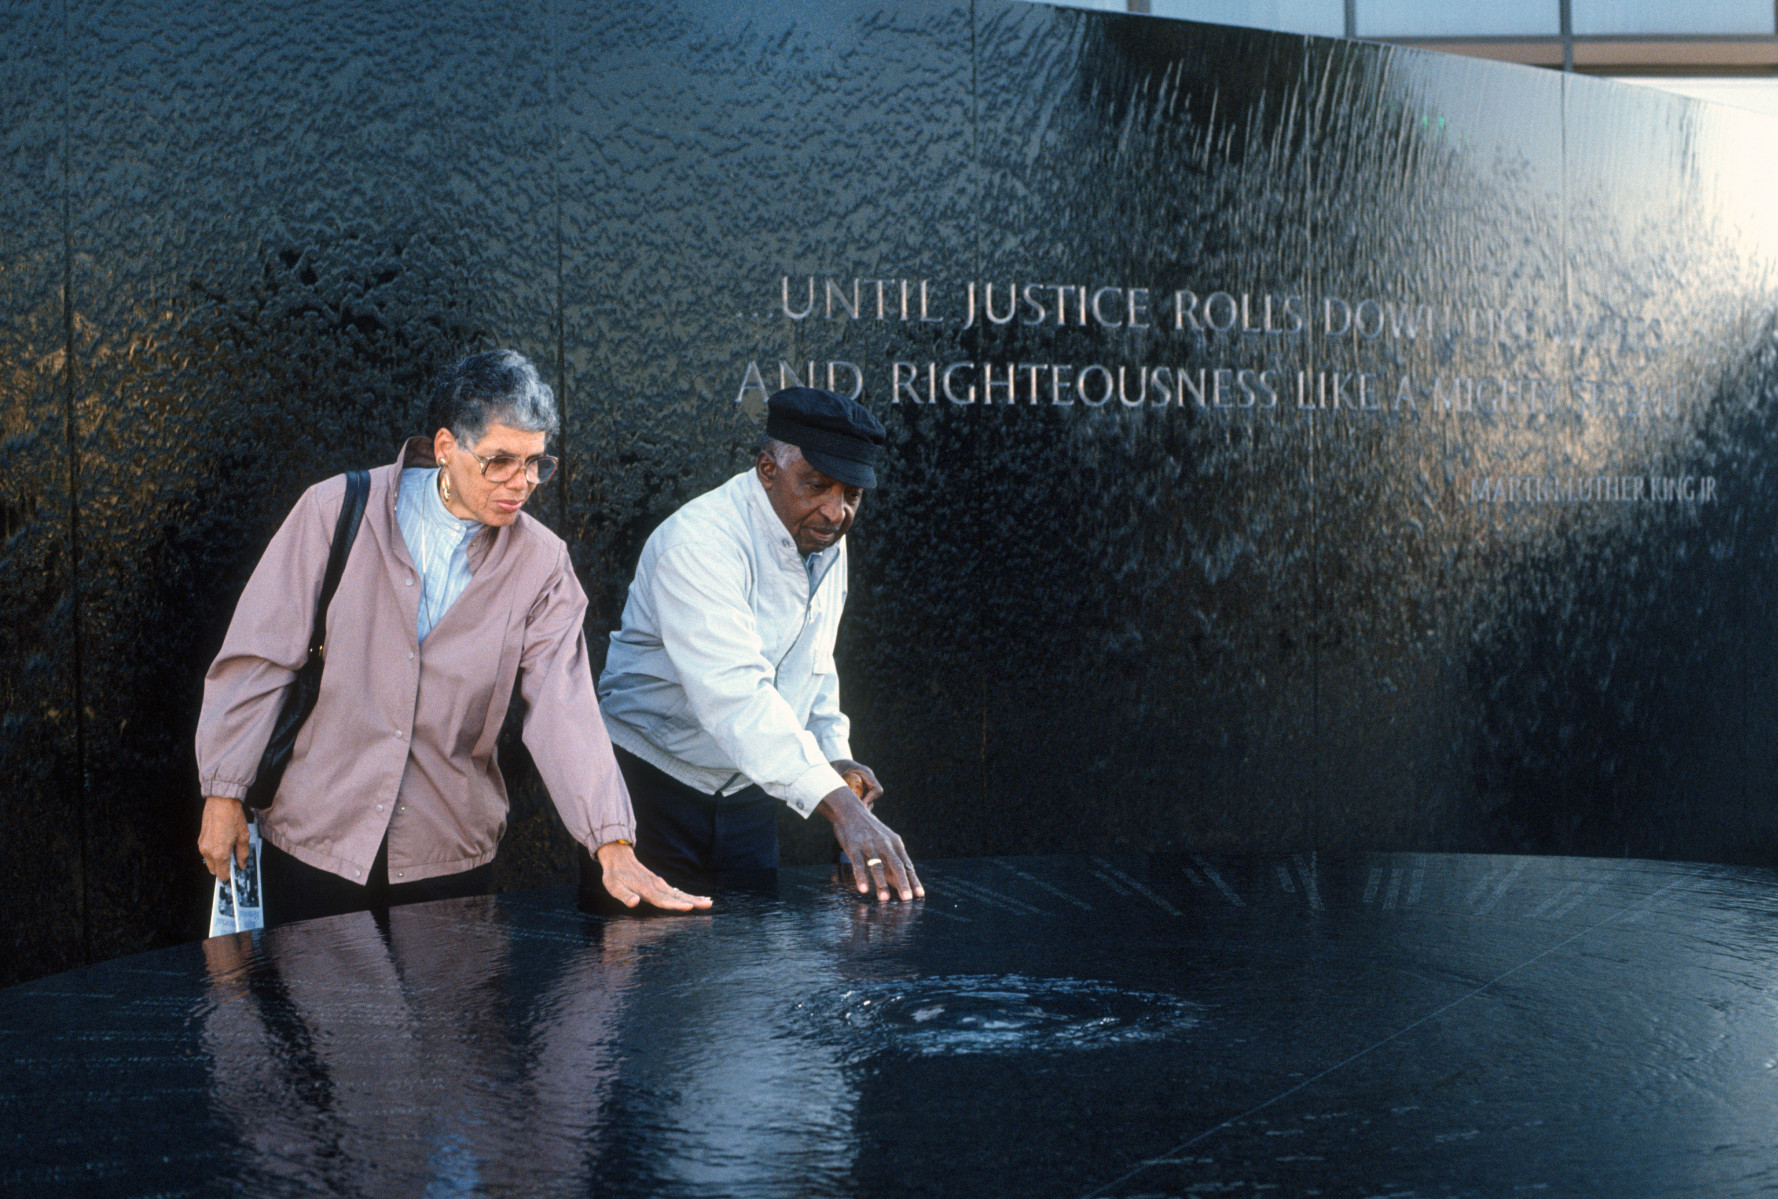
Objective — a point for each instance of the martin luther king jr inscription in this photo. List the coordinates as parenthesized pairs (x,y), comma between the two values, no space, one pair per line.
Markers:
(1293,443)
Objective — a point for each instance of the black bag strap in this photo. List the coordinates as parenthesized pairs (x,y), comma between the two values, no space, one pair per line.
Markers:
(305,688)
(351,516)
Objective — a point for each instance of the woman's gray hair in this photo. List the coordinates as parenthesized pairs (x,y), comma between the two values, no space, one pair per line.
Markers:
(496,387)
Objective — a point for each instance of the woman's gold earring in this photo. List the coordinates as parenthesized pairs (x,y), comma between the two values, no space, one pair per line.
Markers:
(444,485)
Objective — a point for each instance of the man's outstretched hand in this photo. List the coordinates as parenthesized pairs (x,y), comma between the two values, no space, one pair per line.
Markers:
(630,882)
(877,855)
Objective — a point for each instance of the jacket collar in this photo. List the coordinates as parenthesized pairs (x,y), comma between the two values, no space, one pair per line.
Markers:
(767,526)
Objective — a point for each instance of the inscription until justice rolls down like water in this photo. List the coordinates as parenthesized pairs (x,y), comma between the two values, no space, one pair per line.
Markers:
(1202,315)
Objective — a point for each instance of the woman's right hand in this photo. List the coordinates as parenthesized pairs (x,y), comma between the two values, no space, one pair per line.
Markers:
(630,882)
(225,828)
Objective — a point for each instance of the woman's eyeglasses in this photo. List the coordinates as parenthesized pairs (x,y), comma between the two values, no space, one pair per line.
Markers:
(502,467)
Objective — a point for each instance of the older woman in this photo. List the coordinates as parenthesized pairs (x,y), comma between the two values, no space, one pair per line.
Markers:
(450,595)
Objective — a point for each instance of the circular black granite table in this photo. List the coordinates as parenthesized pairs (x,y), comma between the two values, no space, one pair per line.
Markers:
(1170,1025)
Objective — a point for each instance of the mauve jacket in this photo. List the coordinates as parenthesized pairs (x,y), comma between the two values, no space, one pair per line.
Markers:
(403,741)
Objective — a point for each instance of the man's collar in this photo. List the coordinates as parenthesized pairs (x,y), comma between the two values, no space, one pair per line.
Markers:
(766,518)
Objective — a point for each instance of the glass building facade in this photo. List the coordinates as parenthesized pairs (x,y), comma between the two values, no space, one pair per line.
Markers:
(1723,51)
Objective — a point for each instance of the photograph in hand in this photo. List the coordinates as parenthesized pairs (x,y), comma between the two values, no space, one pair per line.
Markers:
(239,906)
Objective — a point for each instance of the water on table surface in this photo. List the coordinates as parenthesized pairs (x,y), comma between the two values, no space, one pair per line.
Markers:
(1416,1024)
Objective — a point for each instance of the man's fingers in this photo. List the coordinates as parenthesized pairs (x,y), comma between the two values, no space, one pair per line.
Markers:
(878,858)
(879,875)
(852,855)
(242,843)
(900,875)
(886,867)
(861,854)
(914,879)
(906,882)
(873,790)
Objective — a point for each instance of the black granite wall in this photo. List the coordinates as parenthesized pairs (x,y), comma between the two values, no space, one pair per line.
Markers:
(1307,600)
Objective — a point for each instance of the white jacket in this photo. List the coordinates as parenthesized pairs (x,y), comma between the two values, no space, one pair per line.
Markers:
(722,673)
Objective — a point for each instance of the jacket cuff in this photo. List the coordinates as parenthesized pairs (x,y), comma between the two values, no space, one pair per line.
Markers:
(222,789)
(815,784)
(605,834)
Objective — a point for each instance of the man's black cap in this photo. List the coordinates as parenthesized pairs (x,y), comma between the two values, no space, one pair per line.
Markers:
(837,436)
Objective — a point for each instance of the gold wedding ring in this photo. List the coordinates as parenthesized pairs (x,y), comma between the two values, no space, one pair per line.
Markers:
(873,861)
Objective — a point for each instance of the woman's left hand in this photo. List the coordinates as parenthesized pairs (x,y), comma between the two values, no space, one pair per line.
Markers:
(630,882)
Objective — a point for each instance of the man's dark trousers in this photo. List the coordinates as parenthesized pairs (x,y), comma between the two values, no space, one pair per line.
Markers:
(683,833)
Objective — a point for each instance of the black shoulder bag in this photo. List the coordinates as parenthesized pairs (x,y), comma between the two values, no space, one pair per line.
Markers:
(305,688)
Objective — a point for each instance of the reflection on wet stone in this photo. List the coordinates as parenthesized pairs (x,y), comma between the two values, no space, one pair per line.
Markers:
(1174,1024)
(365,1053)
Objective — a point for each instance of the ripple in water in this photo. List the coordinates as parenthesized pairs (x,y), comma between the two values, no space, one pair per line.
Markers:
(983,1013)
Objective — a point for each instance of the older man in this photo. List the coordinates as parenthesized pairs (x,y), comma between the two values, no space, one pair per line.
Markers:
(720,691)
(451,594)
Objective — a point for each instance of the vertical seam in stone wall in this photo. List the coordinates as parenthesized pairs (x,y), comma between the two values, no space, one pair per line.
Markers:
(1740,615)
(1317,616)
(1566,263)
(69,428)
(558,108)
(975,269)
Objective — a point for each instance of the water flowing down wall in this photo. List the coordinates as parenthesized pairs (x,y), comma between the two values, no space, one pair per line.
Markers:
(1293,443)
